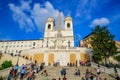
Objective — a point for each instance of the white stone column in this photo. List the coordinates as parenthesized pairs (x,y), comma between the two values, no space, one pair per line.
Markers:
(46,59)
(77,57)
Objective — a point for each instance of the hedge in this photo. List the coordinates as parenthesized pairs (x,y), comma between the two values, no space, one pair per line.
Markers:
(5,64)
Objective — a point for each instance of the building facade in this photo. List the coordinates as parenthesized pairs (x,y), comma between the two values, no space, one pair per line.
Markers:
(85,42)
(15,46)
(57,46)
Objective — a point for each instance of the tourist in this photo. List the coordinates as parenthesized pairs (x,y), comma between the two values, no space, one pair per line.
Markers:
(22,73)
(10,75)
(115,70)
(16,69)
(41,67)
(117,77)
(29,75)
(13,73)
(82,78)
(91,76)
(21,67)
(32,66)
(32,74)
(36,68)
(63,72)
(97,77)
(98,71)
(76,72)
(68,64)
(87,74)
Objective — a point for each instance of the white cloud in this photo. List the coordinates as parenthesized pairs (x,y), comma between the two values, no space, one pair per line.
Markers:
(101,21)
(21,17)
(40,14)
(84,8)
(37,16)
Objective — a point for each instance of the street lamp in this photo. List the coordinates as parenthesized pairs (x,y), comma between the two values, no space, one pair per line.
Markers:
(18,56)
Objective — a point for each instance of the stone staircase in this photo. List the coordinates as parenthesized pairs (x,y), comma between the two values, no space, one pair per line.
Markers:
(13,59)
(54,72)
(5,72)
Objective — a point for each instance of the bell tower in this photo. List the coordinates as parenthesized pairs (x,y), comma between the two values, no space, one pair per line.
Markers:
(50,23)
(68,23)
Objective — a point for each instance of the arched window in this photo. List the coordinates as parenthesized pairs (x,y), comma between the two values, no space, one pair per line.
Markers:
(49,26)
(68,25)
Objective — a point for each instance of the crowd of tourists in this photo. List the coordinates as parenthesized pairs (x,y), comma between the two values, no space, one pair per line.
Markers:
(28,71)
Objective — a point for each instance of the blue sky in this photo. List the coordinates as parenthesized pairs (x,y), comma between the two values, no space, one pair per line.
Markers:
(25,19)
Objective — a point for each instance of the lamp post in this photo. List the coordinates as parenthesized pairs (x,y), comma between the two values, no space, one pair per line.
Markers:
(18,56)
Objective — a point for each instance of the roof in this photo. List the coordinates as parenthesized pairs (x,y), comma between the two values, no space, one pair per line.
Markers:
(68,18)
(50,19)
(88,35)
(20,40)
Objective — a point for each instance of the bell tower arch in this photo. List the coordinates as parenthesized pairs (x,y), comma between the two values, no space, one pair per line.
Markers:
(50,23)
(68,23)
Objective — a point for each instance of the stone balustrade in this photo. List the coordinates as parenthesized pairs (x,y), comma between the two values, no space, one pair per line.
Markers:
(105,69)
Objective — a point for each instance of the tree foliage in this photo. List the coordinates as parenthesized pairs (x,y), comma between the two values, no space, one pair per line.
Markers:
(117,57)
(102,43)
(5,64)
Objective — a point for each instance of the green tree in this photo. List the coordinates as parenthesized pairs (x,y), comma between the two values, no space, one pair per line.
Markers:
(103,44)
(117,57)
(1,55)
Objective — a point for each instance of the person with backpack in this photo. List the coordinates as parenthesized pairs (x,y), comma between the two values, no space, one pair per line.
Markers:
(16,69)
(9,75)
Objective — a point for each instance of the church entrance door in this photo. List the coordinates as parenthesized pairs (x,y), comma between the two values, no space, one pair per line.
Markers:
(61,59)
(73,59)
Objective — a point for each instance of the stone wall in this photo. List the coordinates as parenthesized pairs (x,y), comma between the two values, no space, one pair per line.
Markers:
(105,69)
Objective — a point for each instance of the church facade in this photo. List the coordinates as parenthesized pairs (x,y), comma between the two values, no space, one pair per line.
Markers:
(58,45)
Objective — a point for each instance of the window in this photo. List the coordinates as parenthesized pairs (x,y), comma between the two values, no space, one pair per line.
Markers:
(34,44)
(68,25)
(49,26)
(68,43)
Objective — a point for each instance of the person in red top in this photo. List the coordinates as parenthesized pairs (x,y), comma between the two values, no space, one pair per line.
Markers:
(29,76)
(12,71)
